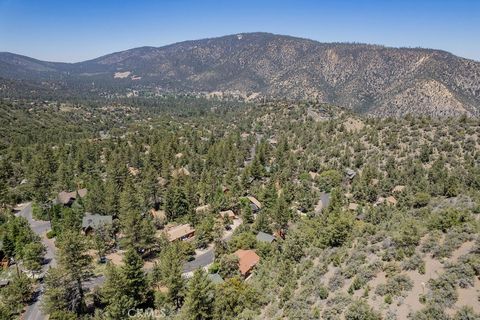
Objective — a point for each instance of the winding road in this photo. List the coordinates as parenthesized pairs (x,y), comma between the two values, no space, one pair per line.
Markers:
(33,311)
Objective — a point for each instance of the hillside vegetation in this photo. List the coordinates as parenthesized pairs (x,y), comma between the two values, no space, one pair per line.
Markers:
(365,78)
(398,238)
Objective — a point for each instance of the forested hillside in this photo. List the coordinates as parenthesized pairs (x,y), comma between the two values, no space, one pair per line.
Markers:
(300,210)
(365,78)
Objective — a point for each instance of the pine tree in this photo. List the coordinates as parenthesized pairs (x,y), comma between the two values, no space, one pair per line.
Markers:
(138,229)
(74,259)
(33,256)
(199,299)
(281,214)
(113,294)
(134,277)
(169,273)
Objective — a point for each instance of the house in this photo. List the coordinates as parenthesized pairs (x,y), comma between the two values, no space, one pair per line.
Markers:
(379,201)
(215,278)
(162,181)
(134,171)
(228,213)
(265,237)
(181,172)
(95,221)
(254,204)
(353,206)
(391,201)
(181,232)
(4,283)
(203,209)
(350,174)
(313,175)
(398,189)
(247,260)
(67,198)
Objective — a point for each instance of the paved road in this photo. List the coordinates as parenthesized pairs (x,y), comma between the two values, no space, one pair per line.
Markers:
(200,261)
(34,311)
(208,256)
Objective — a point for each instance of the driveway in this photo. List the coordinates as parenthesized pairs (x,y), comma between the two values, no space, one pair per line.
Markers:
(33,311)
(208,256)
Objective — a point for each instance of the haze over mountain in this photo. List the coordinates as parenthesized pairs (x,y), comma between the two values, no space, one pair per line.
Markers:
(365,78)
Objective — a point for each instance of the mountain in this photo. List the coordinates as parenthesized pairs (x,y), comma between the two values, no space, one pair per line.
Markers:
(366,78)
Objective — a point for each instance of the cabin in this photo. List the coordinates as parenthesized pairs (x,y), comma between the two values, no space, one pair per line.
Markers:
(68,198)
(398,189)
(180,172)
(353,206)
(350,174)
(265,237)
(254,204)
(182,232)
(391,201)
(203,209)
(247,260)
(92,222)
(228,213)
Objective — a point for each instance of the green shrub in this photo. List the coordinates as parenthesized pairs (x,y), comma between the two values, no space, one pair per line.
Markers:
(421,199)
(443,291)
(447,219)
(329,179)
(431,312)
(388,299)
(360,310)
(50,234)
(395,286)
(466,313)
(322,292)
(415,262)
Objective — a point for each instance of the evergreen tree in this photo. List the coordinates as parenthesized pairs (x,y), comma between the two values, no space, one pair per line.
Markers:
(113,294)
(168,273)
(33,254)
(135,281)
(74,260)
(281,214)
(199,299)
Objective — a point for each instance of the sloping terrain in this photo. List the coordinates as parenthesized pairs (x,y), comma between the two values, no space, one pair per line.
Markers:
(365,78)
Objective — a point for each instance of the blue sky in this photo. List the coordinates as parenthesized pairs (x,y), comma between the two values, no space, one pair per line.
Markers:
(72,30)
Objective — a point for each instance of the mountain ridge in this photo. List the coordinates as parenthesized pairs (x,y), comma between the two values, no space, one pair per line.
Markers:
(368,78)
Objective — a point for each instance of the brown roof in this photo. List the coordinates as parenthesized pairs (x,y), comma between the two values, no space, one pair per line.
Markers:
(229,213)
(180,172)
(255,201)
(398,189)
(179,232)
(247,259)
(65,197)
(353,206)
(202,209)
(133,171)
(391,200)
